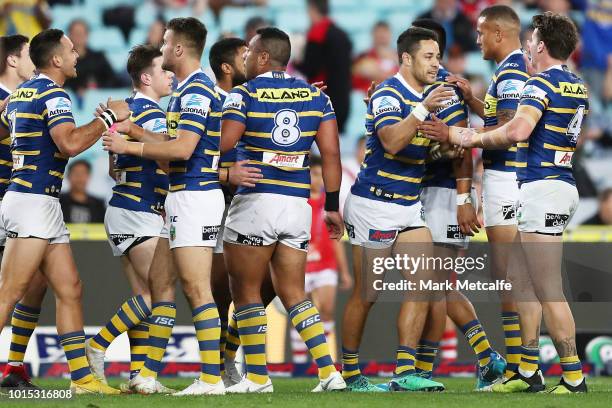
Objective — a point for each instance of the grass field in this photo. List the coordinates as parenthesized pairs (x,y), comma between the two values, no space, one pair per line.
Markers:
(295,393)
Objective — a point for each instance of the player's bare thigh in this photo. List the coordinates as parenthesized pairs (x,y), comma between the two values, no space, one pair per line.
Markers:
(193,266)
(288,274)
(162,274)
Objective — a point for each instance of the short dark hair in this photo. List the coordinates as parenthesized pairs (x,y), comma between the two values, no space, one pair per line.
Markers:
(558,33)
(276,42)
(43,45)
(192,30)
(141,58)
(11,45)
(224,51)
(434,26)
(409,40)
(322,6)
(501,12)
(78,162)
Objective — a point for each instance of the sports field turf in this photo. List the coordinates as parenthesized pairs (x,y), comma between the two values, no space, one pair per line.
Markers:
(295,393)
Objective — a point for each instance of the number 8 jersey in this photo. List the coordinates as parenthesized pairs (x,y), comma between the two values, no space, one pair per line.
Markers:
(562,98)
(282,115)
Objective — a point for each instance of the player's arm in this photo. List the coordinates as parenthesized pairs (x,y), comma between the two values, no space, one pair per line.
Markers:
(127,127)
(180,148)
(475,104)
(466,213)
(111,166)
(329,148)
(4,125)
(346,280)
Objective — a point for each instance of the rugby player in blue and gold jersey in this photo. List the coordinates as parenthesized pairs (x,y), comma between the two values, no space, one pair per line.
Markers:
(549,120)
(39,121)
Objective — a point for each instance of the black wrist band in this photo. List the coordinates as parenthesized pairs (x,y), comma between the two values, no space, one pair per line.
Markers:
(112,114)
(332,201)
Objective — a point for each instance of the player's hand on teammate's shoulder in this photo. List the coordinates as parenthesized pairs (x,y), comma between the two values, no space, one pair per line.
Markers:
(242,175)
(434,129)
(468,219)
(370,91)
(120,107)
(113,142)
(463,85)
(438,97)
(321,85)
(335,225)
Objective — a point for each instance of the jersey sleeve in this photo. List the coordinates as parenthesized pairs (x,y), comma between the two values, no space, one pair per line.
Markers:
(153,120)
(328,109)
(196,102)
(510,83)
(536,93)
(235,105)
(385,108)
(56,107)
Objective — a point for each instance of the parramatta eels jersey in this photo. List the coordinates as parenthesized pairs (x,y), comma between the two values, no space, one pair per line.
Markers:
(141,184)
(384,176)
(562,98)
(282,115)
(36,107)
(196,106)
(228,158)
(6,160)
(440,173)
(504,92)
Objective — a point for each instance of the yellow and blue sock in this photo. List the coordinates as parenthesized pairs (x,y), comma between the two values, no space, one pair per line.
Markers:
(161,323)
(426,352)
(530,361)
(222,342)
(405,361)
(208,331)
(132,312)
(74,348)
(477,338)
(307,321)
(350,365)
(23,321)
(232,342)
(512,341)
(572,370)
(252,326)
(139,339)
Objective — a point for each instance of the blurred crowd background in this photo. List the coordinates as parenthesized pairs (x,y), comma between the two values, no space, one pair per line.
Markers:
(346,43)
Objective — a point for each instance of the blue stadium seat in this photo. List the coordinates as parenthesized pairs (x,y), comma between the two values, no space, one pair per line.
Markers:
(287,4)
(62,16)
(234,18)
(118,59)
(291,22)
(355,21)
(361,42)
(107,39)
(355,126)
(345,5)
(475,65)
(400,21)
(145,15)
(138,36)
(94,96)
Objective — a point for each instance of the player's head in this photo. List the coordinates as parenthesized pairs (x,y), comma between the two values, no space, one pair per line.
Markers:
(436,27)
(184,39)
(554,37)
(226,59)
(269,49)
(419,53)
(16,51)
(496,25)
(145,68)
(316,174)
(51,50)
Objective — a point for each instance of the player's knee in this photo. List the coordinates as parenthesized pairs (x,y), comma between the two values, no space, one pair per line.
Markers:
(70,291)
(197,293)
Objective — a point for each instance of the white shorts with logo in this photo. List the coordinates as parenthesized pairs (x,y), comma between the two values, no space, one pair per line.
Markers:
(219,247)
(546,206)
(124,227)
(259,219)
(499,197)
(194,217)
(2,231)
(440,209)
(379,222)
(316,280)
(33,215)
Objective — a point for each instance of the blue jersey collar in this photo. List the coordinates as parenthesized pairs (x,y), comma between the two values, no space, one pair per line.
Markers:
(515,52)
(184,81)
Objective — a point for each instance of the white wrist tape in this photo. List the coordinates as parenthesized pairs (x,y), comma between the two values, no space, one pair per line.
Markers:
(464,198)
(420,112)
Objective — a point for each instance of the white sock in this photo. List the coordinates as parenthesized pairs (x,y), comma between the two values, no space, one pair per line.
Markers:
(525,373)
(15,363)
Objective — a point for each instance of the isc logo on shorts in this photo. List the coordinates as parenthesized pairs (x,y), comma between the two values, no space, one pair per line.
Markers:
(252,240)
(509,212)
(210,233)
(555,220)
(454,232)
(382,236)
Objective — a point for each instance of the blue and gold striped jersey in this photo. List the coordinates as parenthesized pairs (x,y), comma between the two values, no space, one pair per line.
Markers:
(196,106)
(440,173)
(140,184)
(384,176)
(36,107)
(562,98)
(504,92)
(6,160)
(282,115)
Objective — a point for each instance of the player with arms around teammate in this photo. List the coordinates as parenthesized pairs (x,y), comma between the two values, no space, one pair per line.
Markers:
(16,68)
(552,107)
(275,118)
(194,205)
(39,121)
(133,220)
(499,31)
(383,208)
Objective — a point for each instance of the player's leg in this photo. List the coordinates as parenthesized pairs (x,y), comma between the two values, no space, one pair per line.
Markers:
(223,299)
(323,296)
(60,270)
(427,349)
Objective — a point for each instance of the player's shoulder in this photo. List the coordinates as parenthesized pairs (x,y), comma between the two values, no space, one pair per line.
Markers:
(201,84)
(514,67)
(390,86)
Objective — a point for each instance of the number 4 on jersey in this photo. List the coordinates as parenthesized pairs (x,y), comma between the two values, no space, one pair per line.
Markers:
(573,129)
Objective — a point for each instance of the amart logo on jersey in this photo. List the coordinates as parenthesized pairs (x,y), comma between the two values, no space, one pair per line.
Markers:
(284,160)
